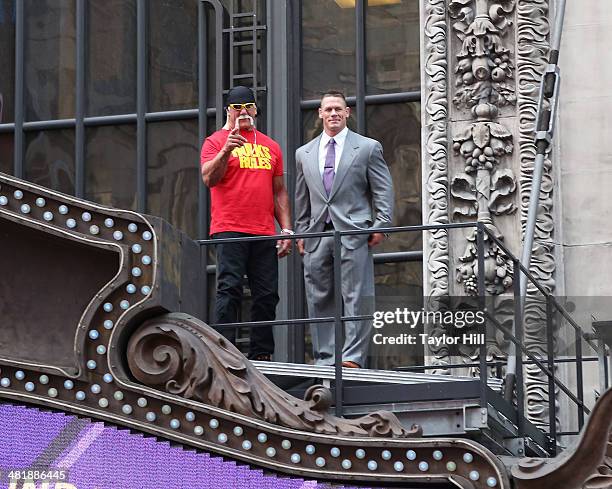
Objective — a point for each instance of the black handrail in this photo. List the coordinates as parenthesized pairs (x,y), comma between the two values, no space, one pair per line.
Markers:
(481,231)
(545,293)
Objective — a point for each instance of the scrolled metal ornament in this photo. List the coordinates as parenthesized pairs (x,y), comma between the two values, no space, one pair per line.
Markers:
(181,355)
(588,465)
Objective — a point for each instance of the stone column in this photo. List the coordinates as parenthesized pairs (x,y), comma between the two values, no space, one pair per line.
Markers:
(482,63)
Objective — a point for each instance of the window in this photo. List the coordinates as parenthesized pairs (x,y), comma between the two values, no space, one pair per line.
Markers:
(49,59)
(7,54)
(110,165)
(370,51)
(111,57)
(111,97)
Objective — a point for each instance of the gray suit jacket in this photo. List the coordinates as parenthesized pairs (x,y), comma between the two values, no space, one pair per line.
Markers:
(361,196)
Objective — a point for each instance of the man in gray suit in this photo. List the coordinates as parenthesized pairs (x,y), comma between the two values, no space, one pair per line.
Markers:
(342,183)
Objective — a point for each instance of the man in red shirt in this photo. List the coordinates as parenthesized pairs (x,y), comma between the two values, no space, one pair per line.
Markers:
(244,170)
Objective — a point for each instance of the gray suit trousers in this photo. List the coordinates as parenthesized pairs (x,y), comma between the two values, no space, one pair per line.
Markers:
(357,296)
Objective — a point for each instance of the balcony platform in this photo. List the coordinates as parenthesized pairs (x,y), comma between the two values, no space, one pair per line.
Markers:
(443,405)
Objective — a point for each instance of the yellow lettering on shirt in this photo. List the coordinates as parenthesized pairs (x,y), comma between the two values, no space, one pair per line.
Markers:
(239,152)
(245,162)
(253,157)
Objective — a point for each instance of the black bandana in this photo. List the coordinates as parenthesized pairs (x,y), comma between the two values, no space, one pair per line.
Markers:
(240,95)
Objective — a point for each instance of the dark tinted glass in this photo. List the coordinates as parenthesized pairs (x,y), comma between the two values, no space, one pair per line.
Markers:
(328,47)
(392,47)
(110,166)
(49,159)
(173,173)
(6,153)
(173,54)
(111,57)
(7,55)
(50,51)
(397,285)
(398,128)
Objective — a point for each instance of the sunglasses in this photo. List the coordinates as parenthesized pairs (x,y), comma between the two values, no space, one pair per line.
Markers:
(247,106)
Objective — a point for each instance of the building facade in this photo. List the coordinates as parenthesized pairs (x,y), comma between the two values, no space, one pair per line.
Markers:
(105,101)
(110,101)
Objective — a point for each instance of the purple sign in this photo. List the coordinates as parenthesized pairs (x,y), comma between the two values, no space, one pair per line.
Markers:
(46,450)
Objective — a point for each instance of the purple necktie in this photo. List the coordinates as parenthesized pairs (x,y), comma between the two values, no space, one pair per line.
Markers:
(329,169)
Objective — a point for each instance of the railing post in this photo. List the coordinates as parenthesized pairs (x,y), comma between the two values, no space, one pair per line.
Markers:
(552,418)
(579,378)
(518,331)
(601,364)
(482,305)
(607,367)
(338,326)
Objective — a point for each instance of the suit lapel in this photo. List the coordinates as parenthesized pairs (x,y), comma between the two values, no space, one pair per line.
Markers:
(312,166)
(349,152)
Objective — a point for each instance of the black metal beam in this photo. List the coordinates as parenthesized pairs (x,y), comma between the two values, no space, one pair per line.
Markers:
(381,99)
(433,391)
(141,105)
(18,140)
(398,257)
(499,404)
(79,133)
(203,198)
(44,125)
(296,307)
(360,65)
(108,120)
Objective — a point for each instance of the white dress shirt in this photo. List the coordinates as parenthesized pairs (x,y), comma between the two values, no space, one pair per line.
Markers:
(339,139)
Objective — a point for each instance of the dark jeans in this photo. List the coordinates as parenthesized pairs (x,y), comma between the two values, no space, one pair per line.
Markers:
(259,262)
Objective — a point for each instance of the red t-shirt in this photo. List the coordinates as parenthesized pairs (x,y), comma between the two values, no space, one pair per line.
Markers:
(243,201)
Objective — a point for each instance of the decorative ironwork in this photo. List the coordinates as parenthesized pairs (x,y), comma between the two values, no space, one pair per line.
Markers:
(184,357)
(588,465)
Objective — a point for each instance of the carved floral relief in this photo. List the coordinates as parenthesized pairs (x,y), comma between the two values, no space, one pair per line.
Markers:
(484,83)
(484,65)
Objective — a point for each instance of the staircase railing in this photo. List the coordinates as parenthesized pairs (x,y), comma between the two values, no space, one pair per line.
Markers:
(546,364)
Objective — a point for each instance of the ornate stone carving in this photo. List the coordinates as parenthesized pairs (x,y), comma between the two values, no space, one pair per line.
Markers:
(602,477)
(484,64)
(497,51)
(486,189)
(436,160)
(185,357)
(532,31)
(435,154)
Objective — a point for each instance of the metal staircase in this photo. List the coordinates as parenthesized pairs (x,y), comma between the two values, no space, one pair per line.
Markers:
(442,405)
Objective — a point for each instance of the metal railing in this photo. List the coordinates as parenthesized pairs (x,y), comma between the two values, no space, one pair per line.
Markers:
(551,305)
